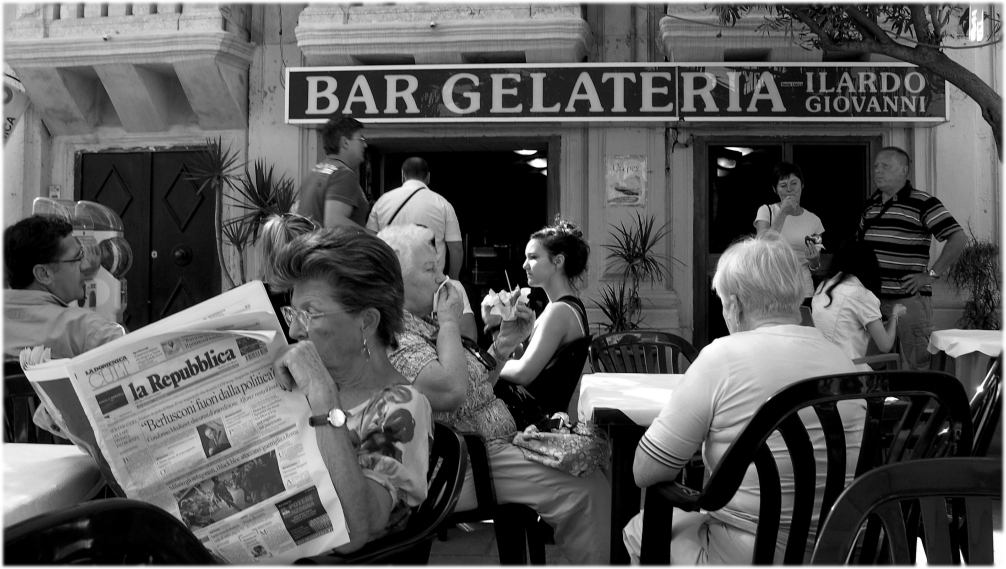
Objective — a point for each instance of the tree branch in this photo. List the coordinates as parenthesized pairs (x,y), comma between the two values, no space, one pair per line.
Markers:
(934,15)
(920,23)
(822,35)
(878,33)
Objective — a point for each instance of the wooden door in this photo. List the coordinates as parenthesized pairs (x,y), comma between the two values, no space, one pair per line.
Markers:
(168,224)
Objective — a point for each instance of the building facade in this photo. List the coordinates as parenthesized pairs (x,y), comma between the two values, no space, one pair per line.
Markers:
(120,90)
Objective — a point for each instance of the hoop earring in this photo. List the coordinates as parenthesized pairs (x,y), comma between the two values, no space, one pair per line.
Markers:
(365,350)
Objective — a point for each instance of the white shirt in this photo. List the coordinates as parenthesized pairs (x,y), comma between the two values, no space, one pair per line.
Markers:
(844,320)
(426,208)
(794,230)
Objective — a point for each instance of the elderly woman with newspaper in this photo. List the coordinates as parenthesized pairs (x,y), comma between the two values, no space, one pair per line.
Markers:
(373,428)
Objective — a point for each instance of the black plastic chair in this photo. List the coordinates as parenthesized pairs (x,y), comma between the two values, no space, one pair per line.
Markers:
(448,461)
(933,420)
(881,362)
(517,540)
(640,351)
(927,484)
(115,531)
(985,408)
(20,402)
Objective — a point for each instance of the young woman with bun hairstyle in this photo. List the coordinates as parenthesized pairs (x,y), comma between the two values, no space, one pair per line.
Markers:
(555,260)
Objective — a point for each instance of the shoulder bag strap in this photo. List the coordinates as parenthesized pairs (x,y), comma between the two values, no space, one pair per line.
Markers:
(401,206)
(868,223)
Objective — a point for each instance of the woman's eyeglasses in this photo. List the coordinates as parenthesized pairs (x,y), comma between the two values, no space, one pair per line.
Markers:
(303,317)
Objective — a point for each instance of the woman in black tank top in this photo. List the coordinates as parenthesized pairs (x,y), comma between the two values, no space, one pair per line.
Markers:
(555,260)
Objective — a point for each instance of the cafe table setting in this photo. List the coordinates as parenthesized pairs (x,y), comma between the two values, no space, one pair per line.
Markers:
(971,351)
(623,405)
(40,478)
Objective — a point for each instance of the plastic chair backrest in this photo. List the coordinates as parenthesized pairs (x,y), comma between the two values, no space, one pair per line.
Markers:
(554,386)
(974,482)
(448,462)
(930,420)
(890,362)
(20,402)
(112,531)
(640,351)
(985,407)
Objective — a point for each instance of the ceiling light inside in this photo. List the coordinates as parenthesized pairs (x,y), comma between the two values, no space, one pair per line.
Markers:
(726,163)
(545,173)
(538,163)
(721,173)
(525,152)
(743,150)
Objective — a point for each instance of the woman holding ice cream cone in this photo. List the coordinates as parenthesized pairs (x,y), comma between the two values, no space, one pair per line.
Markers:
(555,259)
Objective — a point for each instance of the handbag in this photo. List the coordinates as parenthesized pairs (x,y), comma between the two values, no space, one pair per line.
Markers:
(579,450)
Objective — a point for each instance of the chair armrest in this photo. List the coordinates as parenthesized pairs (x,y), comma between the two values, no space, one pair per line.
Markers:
(658,515)
(485,490)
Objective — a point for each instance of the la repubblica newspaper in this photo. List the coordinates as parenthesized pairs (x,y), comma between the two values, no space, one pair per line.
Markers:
(185,414)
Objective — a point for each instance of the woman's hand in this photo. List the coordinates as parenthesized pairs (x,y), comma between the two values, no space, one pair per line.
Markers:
(513,332)
(299,364)
(449,304)
(789,205)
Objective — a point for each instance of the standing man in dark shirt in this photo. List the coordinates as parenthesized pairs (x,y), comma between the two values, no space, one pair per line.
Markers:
(331,194)
(899,222)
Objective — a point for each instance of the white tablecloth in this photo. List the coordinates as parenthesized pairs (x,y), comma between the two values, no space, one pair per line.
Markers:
(640,396)
(957,343)
(43,478)
(971,350)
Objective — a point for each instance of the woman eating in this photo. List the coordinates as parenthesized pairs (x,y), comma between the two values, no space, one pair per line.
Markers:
(555,258)
(793,222)
(846,307)
(373,428)
(758,281)
(458,382)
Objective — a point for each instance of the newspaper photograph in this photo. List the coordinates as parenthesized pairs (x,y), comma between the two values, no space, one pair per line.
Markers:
(189,417)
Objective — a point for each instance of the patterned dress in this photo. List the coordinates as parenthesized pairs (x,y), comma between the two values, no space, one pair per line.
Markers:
(392,433)
(481,412)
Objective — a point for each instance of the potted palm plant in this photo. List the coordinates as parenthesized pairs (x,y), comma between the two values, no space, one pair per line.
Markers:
(977,271)
(260,193)
(634,251)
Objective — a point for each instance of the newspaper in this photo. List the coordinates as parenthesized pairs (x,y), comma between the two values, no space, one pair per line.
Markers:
(185,414)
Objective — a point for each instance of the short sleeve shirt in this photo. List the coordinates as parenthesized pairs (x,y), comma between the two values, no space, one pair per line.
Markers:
(424,207)
(481,412)
(724,388)
(395,433)
(843,318)
(794,230)
(332,180)
(901,234)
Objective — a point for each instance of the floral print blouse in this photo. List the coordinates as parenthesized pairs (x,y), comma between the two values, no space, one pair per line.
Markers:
(392,433)
(481,412)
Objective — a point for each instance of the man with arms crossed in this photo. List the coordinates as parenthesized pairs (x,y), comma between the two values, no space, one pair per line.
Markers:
(899,222)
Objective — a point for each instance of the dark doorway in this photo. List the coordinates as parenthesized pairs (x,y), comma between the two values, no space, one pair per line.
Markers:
(169,227)
(734,178)
(499,200)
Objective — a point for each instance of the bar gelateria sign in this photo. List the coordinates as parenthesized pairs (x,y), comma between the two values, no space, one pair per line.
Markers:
(824,92)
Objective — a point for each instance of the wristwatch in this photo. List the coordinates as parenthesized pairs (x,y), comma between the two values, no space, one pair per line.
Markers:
(336,418)
(934,274)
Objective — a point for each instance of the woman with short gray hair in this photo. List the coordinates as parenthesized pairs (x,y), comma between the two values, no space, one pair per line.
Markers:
(759,282)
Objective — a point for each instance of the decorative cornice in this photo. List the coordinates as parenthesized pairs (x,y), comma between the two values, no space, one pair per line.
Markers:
(167,48)
(568,39)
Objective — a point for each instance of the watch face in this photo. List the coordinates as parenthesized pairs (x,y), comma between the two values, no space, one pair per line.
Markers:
(336,417)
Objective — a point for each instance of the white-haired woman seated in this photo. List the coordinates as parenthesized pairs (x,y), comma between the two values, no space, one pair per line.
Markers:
(457,379)
(759,282)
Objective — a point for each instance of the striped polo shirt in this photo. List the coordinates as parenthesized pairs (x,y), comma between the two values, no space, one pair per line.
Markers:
(901,236)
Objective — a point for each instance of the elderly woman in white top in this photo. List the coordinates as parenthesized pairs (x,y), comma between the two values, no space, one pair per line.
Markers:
(758,281)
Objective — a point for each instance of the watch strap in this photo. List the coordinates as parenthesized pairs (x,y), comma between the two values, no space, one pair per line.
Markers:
(318,420)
